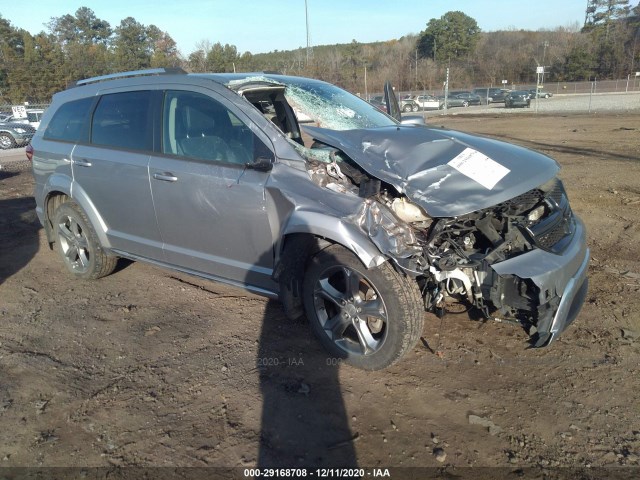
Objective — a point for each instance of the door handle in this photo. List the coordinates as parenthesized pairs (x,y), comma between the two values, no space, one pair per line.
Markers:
(82,162)
(165,177)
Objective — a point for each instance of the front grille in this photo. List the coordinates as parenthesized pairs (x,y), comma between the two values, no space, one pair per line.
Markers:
(522,203)
(557,225)
(551,237)
(556,193)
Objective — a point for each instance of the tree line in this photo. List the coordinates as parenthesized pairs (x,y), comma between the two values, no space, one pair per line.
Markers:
(34,66)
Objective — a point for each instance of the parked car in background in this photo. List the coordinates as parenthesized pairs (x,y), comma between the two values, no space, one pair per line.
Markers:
(453,101)
(490,95)
(427,102)
(359,224)
(15,134)
(409,105)
(33,118)
(34,115)
(471,98)
(518,98)
(379,104)
(540,94)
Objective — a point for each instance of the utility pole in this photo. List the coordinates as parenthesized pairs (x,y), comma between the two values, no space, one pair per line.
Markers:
(446,90)
(416,69)
(306,14)
(544,52)
(366,91)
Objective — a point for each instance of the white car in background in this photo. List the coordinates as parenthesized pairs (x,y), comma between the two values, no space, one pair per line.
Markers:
(427,102)
(33,117)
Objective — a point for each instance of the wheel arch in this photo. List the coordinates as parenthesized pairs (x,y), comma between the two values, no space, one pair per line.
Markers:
(306,234)
(331,229)
(61,189)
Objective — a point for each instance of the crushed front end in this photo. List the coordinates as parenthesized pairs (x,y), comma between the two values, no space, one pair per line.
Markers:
(523,260)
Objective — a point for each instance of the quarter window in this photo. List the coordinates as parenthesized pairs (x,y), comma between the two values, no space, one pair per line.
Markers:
(122,120)
(68,122)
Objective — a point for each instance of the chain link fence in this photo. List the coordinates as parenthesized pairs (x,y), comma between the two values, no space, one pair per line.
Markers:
(623,85)
(7,110)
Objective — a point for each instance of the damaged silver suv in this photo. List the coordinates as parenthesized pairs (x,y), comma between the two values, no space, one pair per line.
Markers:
(358,220)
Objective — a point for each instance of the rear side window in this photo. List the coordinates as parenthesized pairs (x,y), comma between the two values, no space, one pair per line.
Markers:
(68,122)
(121,120)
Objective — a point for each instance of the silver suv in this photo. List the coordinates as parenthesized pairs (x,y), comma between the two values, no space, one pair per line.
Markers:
(358,220)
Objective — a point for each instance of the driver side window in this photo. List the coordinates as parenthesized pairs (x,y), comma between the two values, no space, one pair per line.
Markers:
(197,126)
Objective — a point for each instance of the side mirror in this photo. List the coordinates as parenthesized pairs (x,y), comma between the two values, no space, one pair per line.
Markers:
(261,164)
(413,120)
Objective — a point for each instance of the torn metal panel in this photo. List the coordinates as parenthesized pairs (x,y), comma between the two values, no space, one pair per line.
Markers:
(390,236)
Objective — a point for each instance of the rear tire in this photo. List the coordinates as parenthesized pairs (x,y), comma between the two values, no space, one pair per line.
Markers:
(78,244)
(369,318)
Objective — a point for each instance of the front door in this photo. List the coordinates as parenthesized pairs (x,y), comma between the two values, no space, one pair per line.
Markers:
(210,207)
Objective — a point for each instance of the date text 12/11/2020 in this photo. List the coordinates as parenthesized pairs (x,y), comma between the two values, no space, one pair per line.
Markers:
(318,472)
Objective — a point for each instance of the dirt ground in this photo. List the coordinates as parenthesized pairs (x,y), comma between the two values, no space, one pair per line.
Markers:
(148,367)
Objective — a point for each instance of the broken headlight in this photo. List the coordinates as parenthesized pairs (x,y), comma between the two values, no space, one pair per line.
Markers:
(388,233)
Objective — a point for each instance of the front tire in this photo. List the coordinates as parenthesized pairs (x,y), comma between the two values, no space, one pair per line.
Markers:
(78,244)
(369,318)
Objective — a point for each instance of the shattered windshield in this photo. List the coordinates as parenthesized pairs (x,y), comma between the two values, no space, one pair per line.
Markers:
(324,104)
(334,108)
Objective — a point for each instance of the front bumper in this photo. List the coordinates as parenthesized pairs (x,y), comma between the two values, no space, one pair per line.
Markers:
(557,276)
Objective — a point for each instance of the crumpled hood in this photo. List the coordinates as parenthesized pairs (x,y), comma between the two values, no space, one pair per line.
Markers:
(447,173)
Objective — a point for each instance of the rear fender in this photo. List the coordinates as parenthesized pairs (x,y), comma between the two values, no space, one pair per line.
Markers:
(62,184)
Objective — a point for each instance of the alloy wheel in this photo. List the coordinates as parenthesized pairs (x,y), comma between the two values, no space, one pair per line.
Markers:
(350,311)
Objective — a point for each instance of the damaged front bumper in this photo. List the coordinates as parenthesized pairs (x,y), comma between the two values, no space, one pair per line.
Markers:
(561,281)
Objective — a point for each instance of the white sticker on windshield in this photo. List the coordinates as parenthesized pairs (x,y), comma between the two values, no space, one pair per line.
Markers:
(479,167)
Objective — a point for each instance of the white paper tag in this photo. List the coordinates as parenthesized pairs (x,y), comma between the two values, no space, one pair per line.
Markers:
(479,167)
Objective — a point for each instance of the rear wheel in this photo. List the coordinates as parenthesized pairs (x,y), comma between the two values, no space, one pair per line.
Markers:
(78,244)
(368,317)
(465,104)
(6,141)
(415,108)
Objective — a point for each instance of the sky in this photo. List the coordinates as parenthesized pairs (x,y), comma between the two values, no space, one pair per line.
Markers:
(260,26)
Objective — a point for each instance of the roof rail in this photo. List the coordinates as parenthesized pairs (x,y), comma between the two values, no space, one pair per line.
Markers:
(133,73)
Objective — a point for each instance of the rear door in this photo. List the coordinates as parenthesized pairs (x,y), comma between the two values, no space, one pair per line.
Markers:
(211,208)
(111,171)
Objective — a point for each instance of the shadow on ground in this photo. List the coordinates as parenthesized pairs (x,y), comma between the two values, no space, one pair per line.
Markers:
(19,227)
(304,421)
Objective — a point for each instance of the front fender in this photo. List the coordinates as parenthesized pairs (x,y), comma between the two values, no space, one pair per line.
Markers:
(335,229)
